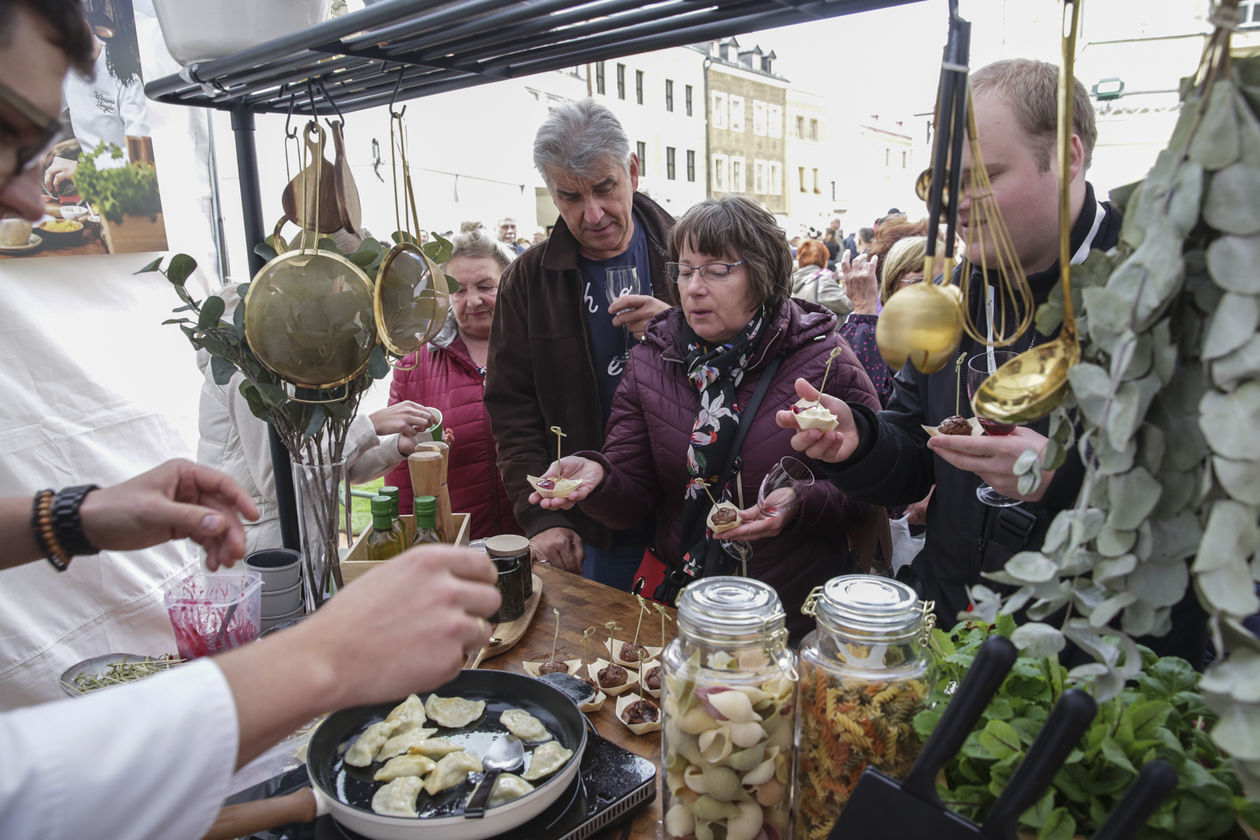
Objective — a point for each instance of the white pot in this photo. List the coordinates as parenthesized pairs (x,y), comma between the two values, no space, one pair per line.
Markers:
(201,30)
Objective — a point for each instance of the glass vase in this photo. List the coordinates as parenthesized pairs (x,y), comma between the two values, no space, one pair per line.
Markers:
(324,525)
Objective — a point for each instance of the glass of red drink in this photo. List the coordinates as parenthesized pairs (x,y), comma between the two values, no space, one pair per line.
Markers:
(979,368)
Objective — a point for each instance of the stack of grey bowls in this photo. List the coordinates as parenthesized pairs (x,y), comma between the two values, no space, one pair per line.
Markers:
(281,570)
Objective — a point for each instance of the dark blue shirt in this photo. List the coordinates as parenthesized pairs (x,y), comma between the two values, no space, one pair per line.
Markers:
(609,343)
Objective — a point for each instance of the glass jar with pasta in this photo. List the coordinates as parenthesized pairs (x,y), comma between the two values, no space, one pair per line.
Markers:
(728,713)
(865,672)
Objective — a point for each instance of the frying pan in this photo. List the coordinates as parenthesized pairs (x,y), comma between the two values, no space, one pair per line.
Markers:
(346,792)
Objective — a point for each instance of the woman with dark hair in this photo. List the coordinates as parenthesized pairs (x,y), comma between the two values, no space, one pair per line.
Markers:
(687,422)
(812,280)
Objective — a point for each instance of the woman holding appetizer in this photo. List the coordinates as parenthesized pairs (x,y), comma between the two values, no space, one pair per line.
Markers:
(693,419)
(450,375)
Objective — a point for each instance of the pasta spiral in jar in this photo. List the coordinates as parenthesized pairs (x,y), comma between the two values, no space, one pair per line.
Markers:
(729,713)
(864,674)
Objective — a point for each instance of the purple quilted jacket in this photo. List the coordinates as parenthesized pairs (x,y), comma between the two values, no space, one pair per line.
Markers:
(651,421)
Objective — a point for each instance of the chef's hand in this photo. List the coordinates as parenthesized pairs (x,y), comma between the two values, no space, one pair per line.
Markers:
(172,501)
(589,472)
(59,176)
(992,457)
(406,626)
(834,446)
(634,311)
(559,547)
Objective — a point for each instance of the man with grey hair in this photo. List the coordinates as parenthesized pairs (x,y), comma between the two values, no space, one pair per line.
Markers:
(507,235)
(557,346)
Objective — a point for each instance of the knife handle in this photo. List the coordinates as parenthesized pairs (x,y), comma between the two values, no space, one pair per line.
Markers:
(1068,720)
(988,669)
(1152,785)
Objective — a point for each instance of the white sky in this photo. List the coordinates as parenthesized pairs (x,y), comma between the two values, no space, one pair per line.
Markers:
(887,61)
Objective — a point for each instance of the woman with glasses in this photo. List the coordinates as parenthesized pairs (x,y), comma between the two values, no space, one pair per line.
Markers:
(681,413)
(449,374)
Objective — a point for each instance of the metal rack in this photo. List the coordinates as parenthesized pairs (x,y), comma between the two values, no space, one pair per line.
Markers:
(405,49)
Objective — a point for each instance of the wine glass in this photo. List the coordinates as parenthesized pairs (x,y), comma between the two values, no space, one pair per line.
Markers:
(741,551)
(622,280)
(781,489)
(979,368)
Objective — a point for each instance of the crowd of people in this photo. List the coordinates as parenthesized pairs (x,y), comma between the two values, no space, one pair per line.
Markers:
(675,396)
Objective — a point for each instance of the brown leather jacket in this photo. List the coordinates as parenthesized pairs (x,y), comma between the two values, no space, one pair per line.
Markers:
(540,368)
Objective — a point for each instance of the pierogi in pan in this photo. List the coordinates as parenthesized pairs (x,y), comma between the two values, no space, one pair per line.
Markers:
(524,725)
(398,798)
(451,770)
(453,712)
(546,760)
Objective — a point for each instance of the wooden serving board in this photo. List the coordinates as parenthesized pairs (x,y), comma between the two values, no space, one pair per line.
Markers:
(508,633)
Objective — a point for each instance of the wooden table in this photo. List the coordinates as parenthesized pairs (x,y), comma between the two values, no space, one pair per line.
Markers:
(583,603)
(90,244)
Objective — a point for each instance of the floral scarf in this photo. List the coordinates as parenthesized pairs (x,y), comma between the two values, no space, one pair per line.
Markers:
(716,372)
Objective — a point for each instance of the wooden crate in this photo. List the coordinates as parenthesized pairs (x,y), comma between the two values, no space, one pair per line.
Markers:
(356,563)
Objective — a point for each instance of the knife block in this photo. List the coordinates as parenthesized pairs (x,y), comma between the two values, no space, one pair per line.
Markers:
(427,466)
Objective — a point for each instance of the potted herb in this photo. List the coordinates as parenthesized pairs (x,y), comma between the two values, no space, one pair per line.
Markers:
(126,198)
(1160,713)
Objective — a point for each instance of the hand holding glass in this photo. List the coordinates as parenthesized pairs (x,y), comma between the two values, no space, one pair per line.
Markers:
(781,489)
(979,368)
(623,280)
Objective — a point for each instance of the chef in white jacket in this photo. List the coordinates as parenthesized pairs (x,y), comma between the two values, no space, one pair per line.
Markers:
(153,758)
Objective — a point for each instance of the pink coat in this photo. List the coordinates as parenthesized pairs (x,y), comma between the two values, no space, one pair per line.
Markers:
(447,379)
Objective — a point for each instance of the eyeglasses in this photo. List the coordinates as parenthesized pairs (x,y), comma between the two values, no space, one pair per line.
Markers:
(48,127)
(681,273)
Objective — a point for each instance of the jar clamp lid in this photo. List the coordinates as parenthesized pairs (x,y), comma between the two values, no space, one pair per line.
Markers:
(880,608)
(727,607)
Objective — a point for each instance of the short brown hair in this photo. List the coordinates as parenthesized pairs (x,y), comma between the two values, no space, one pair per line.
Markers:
(812,252)
(1031,88)
(738,227)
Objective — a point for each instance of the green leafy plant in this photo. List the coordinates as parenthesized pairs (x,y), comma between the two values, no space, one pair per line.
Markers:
(131,189)
(1160,714)
(1161,409)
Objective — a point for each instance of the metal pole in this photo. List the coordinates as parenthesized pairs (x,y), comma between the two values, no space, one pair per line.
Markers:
(251,208)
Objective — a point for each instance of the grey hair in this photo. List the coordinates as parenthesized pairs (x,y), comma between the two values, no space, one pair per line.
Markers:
(478,244)
(580,137)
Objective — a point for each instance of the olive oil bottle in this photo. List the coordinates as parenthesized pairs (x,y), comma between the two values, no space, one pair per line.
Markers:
(426,521)
(395,519)
(383,543)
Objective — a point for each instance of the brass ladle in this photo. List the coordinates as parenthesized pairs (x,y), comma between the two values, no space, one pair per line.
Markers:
(1032,384)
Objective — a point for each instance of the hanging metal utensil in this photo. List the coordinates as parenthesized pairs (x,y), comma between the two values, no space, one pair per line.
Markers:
(411,299)
(923,323)
(1032,384)
(310,199)
(308,312)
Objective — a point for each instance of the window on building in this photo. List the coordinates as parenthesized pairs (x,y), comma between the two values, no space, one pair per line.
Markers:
(887,156)
(817,183)
(775,176)
(599,77)
(669,94)
(738,182)
(737,113)
(800,128)
(719,109)
(641,151)
(621,81)
(813,129)
(774,116)
(638,86)
(1250,11)
(719,173)
(759,118)
(687,98)
(800,176)
(669,162)
(691,165)
(759,177)
(904,158)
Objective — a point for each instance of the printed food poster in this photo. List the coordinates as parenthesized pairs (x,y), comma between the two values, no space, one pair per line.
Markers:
(99,180)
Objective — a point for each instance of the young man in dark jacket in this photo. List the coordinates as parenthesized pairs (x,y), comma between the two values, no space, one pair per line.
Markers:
(557,348)
(885,457)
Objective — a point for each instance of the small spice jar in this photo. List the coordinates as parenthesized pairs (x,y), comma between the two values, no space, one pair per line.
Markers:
(514,545)
(728,713)
(865,673)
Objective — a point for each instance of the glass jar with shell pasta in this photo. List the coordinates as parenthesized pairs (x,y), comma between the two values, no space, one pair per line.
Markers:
(729,694)
(865,673)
